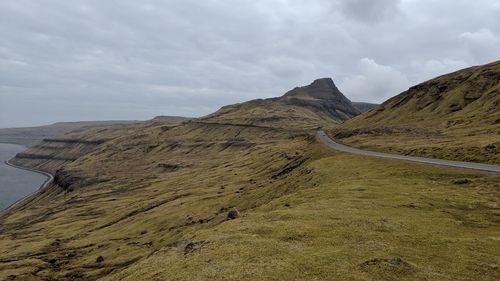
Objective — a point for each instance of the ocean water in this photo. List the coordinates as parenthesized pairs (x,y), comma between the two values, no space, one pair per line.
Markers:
(15,183)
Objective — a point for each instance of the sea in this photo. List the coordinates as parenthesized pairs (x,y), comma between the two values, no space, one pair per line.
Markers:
(15,183)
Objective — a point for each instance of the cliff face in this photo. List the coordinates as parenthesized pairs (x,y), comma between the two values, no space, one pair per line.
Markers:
(324,97)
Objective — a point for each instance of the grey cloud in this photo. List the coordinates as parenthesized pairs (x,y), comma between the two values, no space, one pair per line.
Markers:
(370,11)
(136,59)
(375,80)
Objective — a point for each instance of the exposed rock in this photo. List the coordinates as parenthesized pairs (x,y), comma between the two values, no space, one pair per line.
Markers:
(78,141)
(166,167)
(395,261)
(461,181)
(99,259)
(322,95)
(381,131)
(297,162)
(492,148)
(24,155)
(70,180)
(53,263)
(233,214)
(193,246)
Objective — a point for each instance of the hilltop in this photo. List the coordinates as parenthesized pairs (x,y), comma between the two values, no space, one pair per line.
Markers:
(318,104)
(455,116)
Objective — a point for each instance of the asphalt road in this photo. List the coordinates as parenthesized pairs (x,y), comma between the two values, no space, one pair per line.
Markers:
(467,165)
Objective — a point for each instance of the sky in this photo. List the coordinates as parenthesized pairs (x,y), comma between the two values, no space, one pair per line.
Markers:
(76,60)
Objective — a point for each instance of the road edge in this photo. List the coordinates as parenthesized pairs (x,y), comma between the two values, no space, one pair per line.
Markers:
(329,142)
(48,180)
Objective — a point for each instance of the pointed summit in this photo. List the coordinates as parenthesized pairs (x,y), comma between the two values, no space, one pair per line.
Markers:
(323,83)
(323,88)
(317,104)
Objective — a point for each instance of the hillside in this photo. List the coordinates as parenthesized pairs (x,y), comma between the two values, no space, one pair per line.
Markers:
(157,201)
(454,116)
(31,135)
(364,106)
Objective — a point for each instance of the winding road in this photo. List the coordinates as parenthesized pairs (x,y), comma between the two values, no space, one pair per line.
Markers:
(467,165)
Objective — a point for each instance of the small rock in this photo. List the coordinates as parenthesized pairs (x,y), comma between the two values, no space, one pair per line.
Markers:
(461,181)
(53,263)
(99,259)
(491,147)
(395,261)
(193,246)
(233,214)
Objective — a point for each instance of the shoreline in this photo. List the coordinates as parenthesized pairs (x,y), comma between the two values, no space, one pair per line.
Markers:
(47,181)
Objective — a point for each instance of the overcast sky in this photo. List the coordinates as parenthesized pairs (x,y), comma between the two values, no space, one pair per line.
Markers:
(73,60)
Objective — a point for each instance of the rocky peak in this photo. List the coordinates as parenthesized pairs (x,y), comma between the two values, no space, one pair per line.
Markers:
(322,96)
(323,83)
(323,88)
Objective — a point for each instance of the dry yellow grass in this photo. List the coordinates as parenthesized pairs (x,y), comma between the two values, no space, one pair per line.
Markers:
(333,216)
(151,201)
(359,213)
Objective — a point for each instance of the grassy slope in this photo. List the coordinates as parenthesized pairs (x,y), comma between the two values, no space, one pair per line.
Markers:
(159,185)
(270,114)
(344,212)
(152,201)
(357,211)
(455,116)
(31,135)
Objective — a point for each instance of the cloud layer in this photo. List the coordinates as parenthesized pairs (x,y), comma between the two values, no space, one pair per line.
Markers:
(88,60)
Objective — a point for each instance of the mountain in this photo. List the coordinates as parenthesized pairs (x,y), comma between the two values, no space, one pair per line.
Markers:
(318,104)
(454,116)
(236,196)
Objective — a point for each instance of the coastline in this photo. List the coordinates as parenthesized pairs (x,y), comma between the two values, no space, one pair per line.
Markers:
(47,181)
